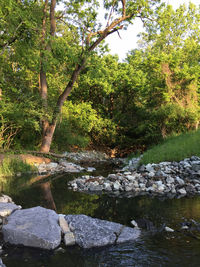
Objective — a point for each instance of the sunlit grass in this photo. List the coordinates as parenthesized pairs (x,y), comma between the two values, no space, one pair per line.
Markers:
(10,167)
(174,149)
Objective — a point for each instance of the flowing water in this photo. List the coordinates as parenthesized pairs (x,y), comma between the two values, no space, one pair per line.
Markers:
(153,248)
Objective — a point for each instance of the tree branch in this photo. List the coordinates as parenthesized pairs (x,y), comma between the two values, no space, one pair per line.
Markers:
(111,11)
(123,8)
(12,40)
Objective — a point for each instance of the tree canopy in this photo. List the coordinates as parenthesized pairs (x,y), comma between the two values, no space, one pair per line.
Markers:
(60,87)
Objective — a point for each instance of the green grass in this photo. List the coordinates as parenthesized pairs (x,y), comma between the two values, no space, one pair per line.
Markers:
(175,148)
(10,167)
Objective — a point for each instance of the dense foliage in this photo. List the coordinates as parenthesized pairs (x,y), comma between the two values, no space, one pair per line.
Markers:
(152,95)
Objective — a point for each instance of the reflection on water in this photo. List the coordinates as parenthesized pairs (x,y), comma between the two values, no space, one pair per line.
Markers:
(46,189)
(151,249)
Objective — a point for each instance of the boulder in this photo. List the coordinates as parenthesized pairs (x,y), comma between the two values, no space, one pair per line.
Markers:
(34,227)
(90,232)
(127,234)
(7,208)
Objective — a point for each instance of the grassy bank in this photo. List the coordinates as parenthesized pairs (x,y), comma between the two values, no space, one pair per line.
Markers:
(12,166)
(174,149)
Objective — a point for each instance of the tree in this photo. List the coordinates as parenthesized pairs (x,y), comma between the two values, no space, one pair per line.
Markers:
(82,17)
(170,61)
(19,105)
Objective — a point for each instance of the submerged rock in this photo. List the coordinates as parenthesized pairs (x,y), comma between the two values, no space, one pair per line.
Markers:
(90,232)
(34,227)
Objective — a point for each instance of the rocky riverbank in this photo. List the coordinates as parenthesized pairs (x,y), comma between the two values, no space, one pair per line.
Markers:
(45,229)
(66,163)
(77,162)
(170,179)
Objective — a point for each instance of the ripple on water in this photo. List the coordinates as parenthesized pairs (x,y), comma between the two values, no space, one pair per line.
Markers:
(151,249)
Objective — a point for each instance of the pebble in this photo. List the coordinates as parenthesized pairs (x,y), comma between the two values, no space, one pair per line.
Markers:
(182,191)
(168,229)
(134,223)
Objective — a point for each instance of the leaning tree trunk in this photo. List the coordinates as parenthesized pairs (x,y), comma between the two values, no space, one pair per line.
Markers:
(47,137)
(47,127)
(112,27)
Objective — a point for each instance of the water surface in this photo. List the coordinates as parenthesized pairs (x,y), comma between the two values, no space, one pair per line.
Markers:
(151,249)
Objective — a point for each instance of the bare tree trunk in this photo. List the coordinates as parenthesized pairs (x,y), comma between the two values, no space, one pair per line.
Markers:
(52,18)
(42,78)
(49,128)
(47,137)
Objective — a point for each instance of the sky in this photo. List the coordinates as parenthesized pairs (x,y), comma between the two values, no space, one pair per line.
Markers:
(128,40)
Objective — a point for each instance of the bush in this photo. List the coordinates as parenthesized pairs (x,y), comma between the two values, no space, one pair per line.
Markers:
(80,125)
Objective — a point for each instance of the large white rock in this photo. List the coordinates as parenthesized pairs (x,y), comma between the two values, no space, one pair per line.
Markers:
(34,227)
(90,232)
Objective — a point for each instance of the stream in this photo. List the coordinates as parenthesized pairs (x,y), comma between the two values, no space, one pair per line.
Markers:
(153,248)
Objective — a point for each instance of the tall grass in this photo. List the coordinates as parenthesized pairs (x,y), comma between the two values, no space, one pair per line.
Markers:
(10,167)
(174,148)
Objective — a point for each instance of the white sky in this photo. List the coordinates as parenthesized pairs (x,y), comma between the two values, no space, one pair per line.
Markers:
(129,38)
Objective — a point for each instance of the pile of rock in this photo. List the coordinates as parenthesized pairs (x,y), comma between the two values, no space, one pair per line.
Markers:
(170,178)
(132,164)
(86,156)
(61,167)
